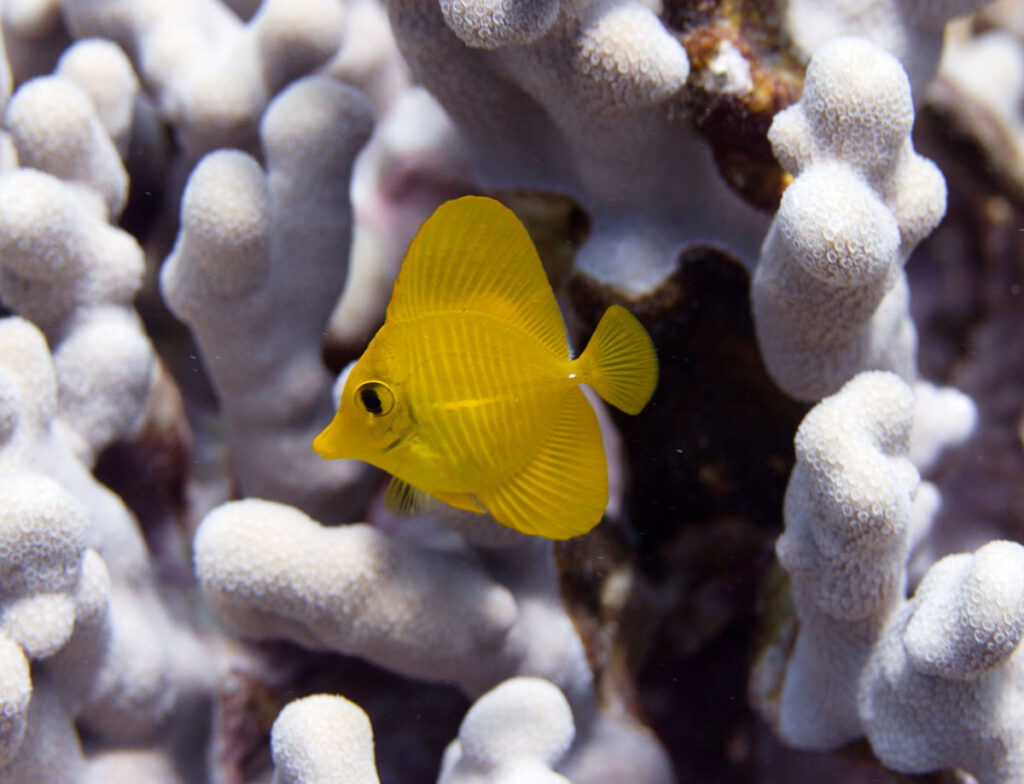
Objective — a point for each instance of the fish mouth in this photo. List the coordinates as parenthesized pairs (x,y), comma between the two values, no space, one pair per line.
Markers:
(326,446)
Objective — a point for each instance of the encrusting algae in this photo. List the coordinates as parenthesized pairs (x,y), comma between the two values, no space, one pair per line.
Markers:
(468,393)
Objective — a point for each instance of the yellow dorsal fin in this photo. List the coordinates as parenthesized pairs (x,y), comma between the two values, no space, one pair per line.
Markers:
(563,491)
(619,361)
(473,255)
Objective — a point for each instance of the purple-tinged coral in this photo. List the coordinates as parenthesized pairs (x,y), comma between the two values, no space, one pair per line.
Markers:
(254,245)
(15,694)
(211,73)
(980,85)
(45,578)
(577,98)
(829,293)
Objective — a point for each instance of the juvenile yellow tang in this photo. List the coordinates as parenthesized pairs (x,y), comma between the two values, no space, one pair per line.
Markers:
(468,394)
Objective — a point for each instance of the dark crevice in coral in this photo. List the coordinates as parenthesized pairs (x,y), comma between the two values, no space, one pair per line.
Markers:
(413,721)
(735,123)
(710,458)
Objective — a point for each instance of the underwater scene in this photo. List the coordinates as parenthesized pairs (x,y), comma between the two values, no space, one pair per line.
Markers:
(511,391)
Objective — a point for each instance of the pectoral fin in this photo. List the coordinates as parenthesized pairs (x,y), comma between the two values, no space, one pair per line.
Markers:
(402,498)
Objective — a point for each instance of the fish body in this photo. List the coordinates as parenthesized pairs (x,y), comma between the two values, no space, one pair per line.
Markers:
(468,393)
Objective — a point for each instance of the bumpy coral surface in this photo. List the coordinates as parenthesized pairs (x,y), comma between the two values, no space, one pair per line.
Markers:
(257,242)
(322,740)
(203,205)
(829,293)
(515,732)
(943,689)
(845,546)
(576,97)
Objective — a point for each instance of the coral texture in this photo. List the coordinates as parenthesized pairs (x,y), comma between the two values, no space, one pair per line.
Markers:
(829,293)
(909,29)
(516,732)
(211,74)
(575,97)
(65,268)
(943,688)
(254,243)
(845,547)
(178,568)
(322,740)
(106,654)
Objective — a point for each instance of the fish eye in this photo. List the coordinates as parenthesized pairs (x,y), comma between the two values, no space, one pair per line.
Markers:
(375,398)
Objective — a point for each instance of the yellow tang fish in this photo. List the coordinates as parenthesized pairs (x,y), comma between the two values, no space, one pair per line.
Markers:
(468,393)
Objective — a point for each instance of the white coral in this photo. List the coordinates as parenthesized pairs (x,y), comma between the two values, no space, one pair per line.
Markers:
(517,732)
(909,29)
(272,571)
(212,74)
(578,97)
(848,515)
(256,243)
(322,739)
(101,638)
(42,546)
(105,73)
(829,293)
(63,267)
(944,688)
(55,129)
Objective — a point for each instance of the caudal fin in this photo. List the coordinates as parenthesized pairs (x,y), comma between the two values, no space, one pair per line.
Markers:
(619,361)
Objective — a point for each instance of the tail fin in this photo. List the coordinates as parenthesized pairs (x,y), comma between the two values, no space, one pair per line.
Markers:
(619,361)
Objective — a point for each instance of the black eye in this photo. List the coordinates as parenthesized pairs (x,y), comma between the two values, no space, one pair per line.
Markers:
(375,398)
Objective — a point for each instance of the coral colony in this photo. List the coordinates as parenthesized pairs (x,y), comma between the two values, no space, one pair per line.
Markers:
(807,568)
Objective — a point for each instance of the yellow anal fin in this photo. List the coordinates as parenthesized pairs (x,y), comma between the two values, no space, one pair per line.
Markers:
(619,361)
(402,498)
(463,501)
(563,491)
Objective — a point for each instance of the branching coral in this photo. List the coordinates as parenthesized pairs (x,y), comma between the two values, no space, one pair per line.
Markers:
(845,547)
(105,652)
(517,732)
(943,688)
(575,97)
(65,268)
(212,74)
(829,293)
(322,740)
(931,681)
(101,677)
(254,244)
(473,619)
(271,570)
(910,29)
(513,734)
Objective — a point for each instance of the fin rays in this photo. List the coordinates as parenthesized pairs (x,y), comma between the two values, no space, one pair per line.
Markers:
(619,361)
(473,254)
(563,491)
